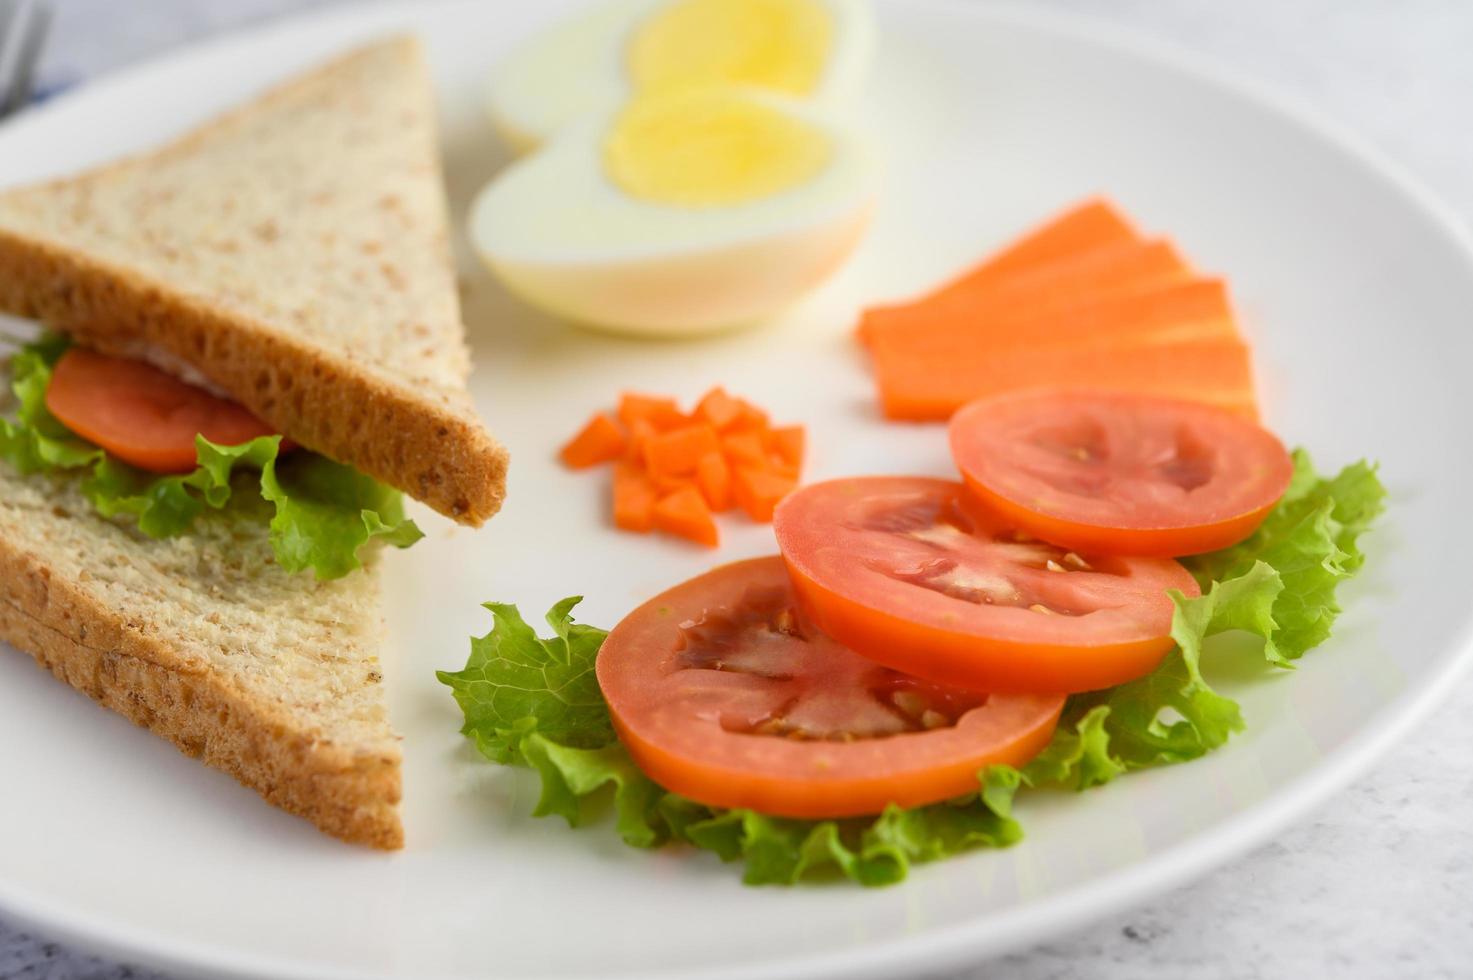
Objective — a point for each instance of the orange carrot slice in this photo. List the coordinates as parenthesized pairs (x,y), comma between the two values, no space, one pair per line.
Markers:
(713,476)
(1065,284)
(921,386)
(634,498)
(758,491)
(600,441)
(685,514)
(1092,224)
(676,453)
(1197,309)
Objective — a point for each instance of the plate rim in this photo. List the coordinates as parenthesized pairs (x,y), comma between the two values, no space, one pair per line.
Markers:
(947,947)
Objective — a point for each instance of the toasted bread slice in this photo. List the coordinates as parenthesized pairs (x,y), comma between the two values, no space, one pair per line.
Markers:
(295,252)
(203,639)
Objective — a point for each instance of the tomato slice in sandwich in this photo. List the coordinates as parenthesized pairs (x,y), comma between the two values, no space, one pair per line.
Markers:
(911,573)
(723,691)
(1123,473)
(140,414)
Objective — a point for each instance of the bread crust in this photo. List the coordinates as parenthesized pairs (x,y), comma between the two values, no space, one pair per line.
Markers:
(117,663)
(401,416)
(433,450)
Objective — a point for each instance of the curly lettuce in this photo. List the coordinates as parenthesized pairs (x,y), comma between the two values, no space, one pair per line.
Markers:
(325,512)
(535,702)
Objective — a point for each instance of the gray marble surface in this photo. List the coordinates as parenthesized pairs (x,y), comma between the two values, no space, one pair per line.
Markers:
(1380,882)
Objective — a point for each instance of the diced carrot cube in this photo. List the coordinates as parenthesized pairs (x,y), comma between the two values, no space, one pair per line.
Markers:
(751,416)
(600,441)
(718,409)
(666,484)
(684,513)
(634,498)
(662,413)
(745,449)
(640,434)
(787,442)
(676,453)
(713,476)
(758,491)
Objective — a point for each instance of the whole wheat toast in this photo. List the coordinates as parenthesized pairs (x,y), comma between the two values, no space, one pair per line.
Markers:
(295,252)
(204,640)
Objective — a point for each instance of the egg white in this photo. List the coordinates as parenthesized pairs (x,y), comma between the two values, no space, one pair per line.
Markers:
(561,235)
(579,64)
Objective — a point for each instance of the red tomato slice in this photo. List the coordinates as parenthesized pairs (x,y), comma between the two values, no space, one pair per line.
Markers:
(909,572)
(140,414)
(1113,472)
(722,691)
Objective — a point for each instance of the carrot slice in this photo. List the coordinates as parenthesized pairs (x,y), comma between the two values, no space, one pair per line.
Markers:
(676,453)
(758,491)
(634,498)
(923,386)
(662,413)
(787,443)
(1066,284)
(685,514)
(718,409)
(1091,224)
(600,441)
(1194,310)
(713,476)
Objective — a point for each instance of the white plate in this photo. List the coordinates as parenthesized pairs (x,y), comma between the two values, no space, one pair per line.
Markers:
(1356,291)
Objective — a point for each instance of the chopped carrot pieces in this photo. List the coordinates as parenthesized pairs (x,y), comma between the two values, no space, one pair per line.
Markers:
(787,442)
(674,471)
(751,416)
(664,484)
(634,498)
(662,413)
(640,433)
(745,449)
(685,514)
(758,491)
(676,453)
(719,410)
(602,440)
(713,476)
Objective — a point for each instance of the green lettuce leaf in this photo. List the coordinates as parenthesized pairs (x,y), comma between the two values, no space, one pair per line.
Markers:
(325,511)
(535,702)
(1278,585)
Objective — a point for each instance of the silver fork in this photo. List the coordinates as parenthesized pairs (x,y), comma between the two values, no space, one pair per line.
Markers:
(23,26)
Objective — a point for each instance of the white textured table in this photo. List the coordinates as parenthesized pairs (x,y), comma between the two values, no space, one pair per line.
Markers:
(1379,884)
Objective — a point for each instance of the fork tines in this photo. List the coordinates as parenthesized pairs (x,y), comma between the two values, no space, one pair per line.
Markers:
(23,26)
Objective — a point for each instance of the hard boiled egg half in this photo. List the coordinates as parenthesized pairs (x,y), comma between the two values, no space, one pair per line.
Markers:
(806,49)
(683,211)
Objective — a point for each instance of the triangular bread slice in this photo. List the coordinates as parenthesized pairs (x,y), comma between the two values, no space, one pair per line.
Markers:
(204,640)
(296,253)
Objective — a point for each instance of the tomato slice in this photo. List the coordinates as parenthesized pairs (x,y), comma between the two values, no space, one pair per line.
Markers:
(724,692)
(911,573)
(1122,473)
(140,414)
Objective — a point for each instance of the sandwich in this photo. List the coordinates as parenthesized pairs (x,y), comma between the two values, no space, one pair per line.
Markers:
(253,346)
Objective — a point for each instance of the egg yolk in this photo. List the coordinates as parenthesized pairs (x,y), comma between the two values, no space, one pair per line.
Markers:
(710,147)
(776,44)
